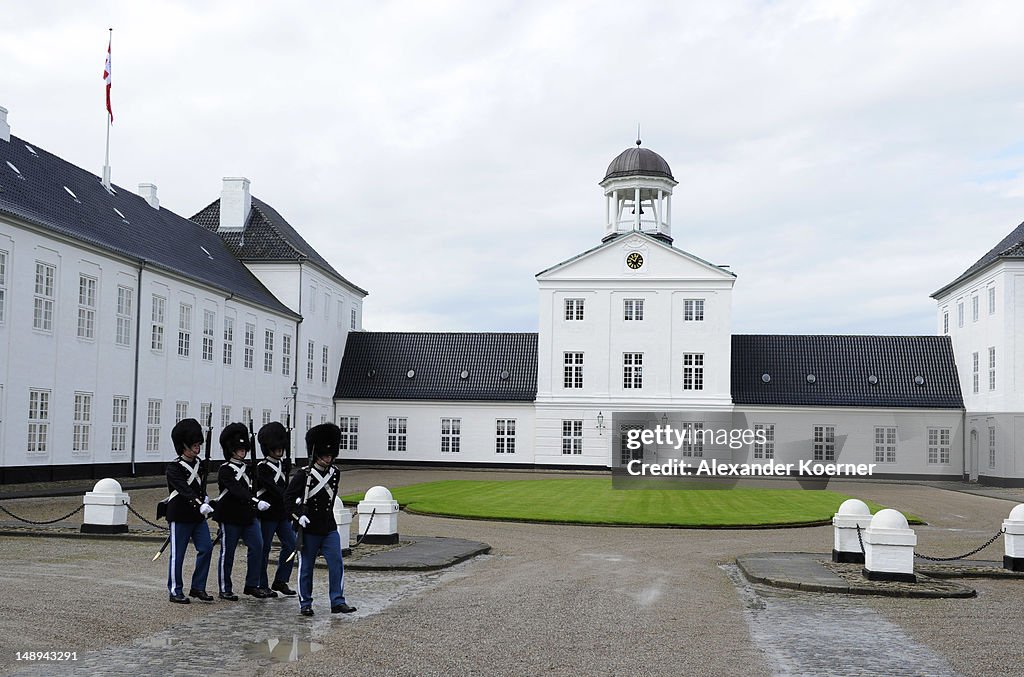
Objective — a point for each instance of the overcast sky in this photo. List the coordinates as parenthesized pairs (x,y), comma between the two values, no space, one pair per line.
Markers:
(846,159)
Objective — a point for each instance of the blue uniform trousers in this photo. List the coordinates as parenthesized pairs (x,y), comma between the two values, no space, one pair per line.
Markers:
(181,534)
(330,546)
(286,535)
(250,535)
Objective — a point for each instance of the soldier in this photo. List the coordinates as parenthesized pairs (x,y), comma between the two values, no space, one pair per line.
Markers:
(187,509)
(272,480)
(310,496)
(236,511)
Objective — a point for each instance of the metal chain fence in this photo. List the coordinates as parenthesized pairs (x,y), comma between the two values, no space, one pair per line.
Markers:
(943,559)
(59,519)
(368,525)
(136,513)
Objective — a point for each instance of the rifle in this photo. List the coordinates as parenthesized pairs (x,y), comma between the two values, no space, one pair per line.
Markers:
(305,497)
(204,472)
(288,449)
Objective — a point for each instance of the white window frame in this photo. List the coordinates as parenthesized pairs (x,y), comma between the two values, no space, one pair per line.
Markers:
(286,354)
(249,343)
(451,435)
(765,450)
(310,356)
(960,314)
(349,426)
(693,439)
(991,368)
(885,444)
(229,341)
(574,310)
(125,299)
(209,329)
(268,351)
(945,321)
(505,436)
(572,370)
(693,310)
(81,437)
(398,429)
(44,297)
(693,371)
(572,437)
(992,300)
(247,415)
(267,417)
(119,424)
(991,446)
(180,410)
(632,371)
(87,286)
(225,415)
(153,413)
(939,446)
(975,307)
(975,372)
(3,285)
(184,329)
(205,413)
(325,354)
(632,310)
(823,442)
(38,422)
(355,319)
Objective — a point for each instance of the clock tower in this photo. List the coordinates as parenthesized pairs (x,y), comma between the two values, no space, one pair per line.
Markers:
(638,194)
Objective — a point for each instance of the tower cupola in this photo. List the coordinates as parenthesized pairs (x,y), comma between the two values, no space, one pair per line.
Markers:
(638,194)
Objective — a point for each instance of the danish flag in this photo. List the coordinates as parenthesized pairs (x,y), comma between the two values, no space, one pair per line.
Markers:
(106,79)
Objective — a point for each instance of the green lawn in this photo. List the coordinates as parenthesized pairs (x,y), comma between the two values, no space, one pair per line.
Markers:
(593,501)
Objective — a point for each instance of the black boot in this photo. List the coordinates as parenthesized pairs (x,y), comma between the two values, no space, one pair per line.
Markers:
(283,588)
(178,599)
(258,593)
(201,595)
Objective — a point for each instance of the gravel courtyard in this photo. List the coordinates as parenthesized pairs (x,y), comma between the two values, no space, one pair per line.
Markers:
(547,600)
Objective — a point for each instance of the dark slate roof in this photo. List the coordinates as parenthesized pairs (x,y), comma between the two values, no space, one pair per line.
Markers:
(842,365)
(1010,247)
(638,161)
(267,237)
(159,236)
(375,366)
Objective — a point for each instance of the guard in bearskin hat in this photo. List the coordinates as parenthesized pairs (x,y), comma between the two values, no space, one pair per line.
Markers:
(237,506)
(310,496)
(187,507)
(271,482)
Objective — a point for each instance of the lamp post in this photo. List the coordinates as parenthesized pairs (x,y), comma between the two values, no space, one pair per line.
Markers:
(600,423)
(295,409)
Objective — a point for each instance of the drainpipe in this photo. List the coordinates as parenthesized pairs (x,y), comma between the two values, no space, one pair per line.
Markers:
(295,372)
(135,385)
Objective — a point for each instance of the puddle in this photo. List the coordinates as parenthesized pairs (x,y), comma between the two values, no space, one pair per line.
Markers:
(157,642)
(282,650)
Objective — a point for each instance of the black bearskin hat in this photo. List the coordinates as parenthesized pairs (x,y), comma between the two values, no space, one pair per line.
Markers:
(185,433)
(323,439)
(234,436)
(272,436)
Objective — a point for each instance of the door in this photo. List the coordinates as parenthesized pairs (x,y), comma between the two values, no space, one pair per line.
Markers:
(625,453)
(973,461)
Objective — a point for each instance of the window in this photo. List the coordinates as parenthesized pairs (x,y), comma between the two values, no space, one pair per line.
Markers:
(353,321)
(974,372)
(309,421)
(3,285)
(38,421)
(693,310)
(574,309)
(960,314)
(323,366)
(310,351)
(184,330)
(225,416)
(229,339)
(572,437)
(505,436)
(766,449)
(693,371)
(451,434)
(824,443)
(341,310)
(209,322)
(945,321)
(125,298)
(119,425)
(268,351)
(247,415)
(327,307)
(938,445)
(693,439)
(991,447)
(349,433)
(991,300)
(625,453)
(885,445)
(157,316)
(205,414)
(633,370)
(573,370)
(396,433)
(250,345)
(286,354)
(180,410)
(267,414)
(992,368)
(974,309)
(86,307)
(633,310)
(42,313)
(153,425)
(82,433)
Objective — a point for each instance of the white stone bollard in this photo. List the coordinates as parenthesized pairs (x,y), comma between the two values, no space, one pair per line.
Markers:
(889,548)
(106,511)
(1013,539)
(852,513)
(343,516)
(378,516)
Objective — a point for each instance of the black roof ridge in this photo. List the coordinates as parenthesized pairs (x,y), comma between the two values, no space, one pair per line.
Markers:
(257,205)
(1013,239)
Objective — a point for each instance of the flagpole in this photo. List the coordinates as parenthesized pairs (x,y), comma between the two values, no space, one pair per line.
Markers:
(106,160)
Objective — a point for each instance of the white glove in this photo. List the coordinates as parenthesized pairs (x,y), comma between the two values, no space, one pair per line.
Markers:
(298,501)
(262,505)
(206,509)
(303,521)
(206,500)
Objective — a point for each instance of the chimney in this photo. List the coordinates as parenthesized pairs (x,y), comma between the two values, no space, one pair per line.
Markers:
(5,129)
(235,203)
(148,191)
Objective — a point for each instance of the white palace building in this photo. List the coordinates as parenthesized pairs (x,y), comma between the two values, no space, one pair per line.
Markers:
(118,317)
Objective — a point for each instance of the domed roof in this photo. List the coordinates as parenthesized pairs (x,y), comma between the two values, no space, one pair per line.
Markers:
(638,161)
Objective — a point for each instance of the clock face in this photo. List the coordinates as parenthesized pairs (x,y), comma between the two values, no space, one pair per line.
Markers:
(635,260)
